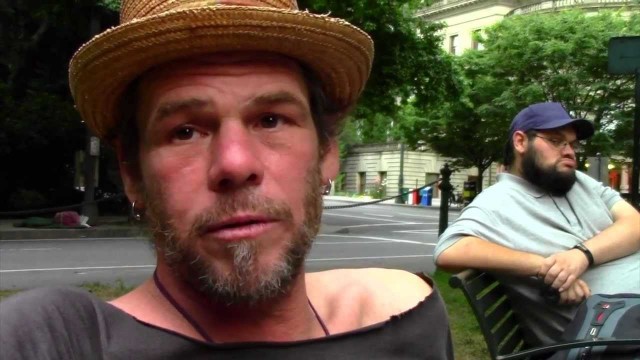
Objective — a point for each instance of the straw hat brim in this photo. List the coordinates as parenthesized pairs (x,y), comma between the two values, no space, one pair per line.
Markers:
(100,71)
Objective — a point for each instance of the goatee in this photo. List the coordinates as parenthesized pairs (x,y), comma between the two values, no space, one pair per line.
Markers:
(246,282)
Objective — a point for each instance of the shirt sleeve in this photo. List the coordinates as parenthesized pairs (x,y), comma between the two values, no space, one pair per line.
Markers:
(608,195)
(47,323)
(473,221)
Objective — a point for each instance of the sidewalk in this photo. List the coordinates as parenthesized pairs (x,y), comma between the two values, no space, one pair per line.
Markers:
(109,226)
(118,226)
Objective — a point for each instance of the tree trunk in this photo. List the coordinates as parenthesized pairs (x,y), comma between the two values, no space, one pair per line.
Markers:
(479,179)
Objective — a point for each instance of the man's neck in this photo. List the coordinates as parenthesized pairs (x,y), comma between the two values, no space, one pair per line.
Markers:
(286,318)
(516,170)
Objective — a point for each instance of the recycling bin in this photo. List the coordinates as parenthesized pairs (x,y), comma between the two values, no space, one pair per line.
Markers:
(427,196)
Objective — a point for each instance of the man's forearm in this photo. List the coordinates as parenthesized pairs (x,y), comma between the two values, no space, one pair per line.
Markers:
(476,253)
(618,240)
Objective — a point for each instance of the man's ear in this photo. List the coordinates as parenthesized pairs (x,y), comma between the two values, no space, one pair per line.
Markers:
(130,174)
(330,162)
(520,142)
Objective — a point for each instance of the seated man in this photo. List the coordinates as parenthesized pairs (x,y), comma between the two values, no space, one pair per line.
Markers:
(224,116)
(544,219)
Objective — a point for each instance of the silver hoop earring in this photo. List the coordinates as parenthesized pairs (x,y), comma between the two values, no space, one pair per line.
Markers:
(326,188)
(135,213)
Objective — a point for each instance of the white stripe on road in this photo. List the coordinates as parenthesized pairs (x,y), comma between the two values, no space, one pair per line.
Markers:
(349,242)
(397,224)
(420,216)
(81,268)
(378,238)
(371,257)
(430,231)
(32,249)
(372,214)
(152,266)
(359,217)
(78,239)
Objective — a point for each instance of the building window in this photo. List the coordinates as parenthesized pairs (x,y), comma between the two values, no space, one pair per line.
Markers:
(475,36)
(362,182)
(382,176)
(453,44)
(382,183)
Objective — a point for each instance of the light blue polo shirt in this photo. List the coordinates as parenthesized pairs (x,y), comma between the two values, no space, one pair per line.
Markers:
(516,214)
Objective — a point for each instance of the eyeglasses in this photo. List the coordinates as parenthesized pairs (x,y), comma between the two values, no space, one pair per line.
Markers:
(576,145)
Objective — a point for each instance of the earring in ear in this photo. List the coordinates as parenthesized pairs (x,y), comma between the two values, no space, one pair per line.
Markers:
(136,214)
(326,188)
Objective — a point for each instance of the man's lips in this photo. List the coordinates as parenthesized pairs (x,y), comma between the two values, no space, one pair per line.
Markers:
(568,162)
(239,227)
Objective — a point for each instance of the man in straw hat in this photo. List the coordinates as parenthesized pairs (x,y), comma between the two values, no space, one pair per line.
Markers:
(224,115)
(544,224)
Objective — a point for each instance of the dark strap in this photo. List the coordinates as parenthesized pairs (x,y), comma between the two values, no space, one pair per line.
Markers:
(197,326)
(322,324)
(180,309)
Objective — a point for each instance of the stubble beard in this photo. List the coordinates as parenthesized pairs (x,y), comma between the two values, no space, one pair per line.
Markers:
(549,179)
(246,282)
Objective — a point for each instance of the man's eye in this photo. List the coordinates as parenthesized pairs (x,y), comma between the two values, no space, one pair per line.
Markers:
(555,141)
(184,133)
(270,121)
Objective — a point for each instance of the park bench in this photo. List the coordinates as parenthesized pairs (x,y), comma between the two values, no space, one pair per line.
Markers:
(499,324)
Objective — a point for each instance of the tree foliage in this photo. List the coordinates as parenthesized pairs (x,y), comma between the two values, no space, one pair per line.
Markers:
(409,63)
(564,57)
(40,130)
(526,59)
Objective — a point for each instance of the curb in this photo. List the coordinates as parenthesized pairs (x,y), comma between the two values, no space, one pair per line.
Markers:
(40,234)
(133,231)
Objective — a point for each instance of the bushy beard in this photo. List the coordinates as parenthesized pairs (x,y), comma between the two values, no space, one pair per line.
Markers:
(246,282)
(549,179)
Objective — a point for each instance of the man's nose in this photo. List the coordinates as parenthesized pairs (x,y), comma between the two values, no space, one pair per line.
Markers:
(568,150)
(235,158)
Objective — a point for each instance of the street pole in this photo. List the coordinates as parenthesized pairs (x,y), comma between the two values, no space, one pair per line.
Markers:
(445,192)
(599,156)
(399,199)
(92,151)
(635,173)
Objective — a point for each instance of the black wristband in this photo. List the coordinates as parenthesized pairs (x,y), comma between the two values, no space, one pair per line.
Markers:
(586,253)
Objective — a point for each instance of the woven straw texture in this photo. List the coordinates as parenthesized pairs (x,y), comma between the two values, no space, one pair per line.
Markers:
(157,32)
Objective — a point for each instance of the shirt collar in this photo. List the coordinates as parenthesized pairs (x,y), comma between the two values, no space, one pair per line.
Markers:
(522,184)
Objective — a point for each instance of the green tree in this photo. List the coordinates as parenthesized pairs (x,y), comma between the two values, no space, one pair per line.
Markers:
(40,130)
(563,57)
(559,56)
(409,64)
(469,128)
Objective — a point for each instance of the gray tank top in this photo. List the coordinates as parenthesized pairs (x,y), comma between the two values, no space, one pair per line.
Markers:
(67,323)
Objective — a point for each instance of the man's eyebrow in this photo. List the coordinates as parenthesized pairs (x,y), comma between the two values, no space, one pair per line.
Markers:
(169,108)
(280,97)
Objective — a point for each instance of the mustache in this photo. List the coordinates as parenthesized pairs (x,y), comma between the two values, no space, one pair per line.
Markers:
(241,201)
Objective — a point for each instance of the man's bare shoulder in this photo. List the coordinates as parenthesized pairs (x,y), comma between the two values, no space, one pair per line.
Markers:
(374,294)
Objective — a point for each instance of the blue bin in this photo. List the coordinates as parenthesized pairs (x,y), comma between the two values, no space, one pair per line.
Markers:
(426,196)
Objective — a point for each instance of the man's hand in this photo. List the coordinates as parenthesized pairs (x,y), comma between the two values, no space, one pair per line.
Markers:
(575,293)
(561,270)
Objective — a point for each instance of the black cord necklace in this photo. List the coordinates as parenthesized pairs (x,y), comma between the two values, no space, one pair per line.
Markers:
(563,214)
(197,326)
(180,309)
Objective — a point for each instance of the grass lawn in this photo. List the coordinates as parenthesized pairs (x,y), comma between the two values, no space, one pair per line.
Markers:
(468,343)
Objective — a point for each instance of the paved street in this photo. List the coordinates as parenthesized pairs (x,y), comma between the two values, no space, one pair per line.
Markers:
(370,236)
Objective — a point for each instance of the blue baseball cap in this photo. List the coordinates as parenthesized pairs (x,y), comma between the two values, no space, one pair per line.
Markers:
(546,116)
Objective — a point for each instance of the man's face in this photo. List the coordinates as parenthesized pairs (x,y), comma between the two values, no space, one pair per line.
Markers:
(231,173)
(547,164)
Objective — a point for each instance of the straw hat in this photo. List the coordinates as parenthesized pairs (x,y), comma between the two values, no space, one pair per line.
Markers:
(153,32)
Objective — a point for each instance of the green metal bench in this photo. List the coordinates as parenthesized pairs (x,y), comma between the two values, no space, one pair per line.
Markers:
(500,326)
